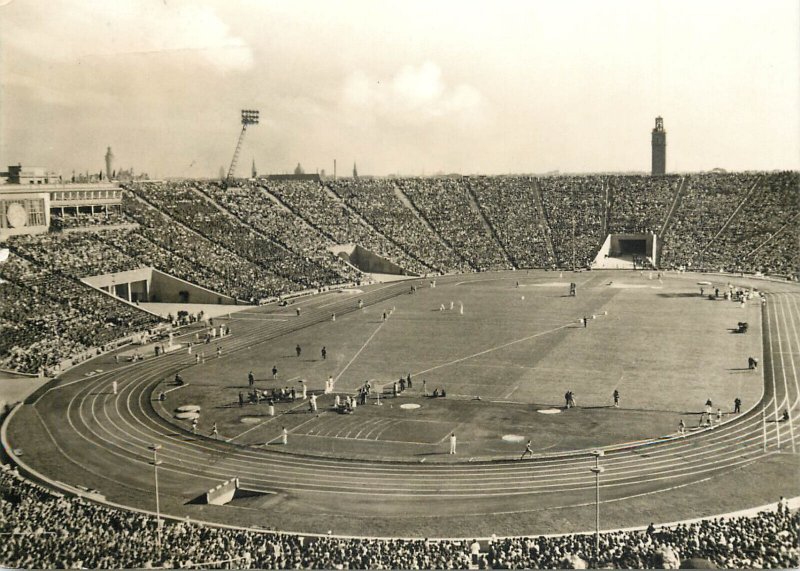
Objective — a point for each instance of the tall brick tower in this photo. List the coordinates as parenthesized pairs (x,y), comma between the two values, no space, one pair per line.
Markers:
(659,143)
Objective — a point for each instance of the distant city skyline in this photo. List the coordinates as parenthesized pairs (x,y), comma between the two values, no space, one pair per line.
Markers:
(400,87)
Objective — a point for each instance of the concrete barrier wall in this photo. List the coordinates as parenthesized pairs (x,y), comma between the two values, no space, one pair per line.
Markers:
(369,262)
(167,288)
(150,284)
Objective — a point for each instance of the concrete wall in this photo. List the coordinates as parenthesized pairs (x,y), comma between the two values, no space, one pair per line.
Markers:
(119,283)
(150,284)
(366,261)
(167,288)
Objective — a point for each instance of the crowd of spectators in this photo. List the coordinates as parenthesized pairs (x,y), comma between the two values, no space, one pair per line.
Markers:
(171,247)
(47,317)
(511,205)
(768,540)
(251,203)
(332,217)
(186,203)
(708,201)
(71,220)
(575,209)
(445,203)
(77,254)
(640,203)
(774,207)
(43,529)
(378,203)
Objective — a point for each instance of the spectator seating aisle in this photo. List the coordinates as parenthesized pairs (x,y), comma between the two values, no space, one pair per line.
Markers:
(771,207)
(172,248)
(709,200)
(251,204)
(310,201)
(445,203)
(179,200)
(509,205)
(377,203)
(579,200)
(46,530)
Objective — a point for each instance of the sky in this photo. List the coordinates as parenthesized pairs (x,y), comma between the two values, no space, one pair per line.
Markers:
(400,87)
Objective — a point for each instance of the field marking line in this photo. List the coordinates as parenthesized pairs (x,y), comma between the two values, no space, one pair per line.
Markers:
(392,423)
(347,366)
(262,423)
(175,388)
(232,438)
(375,426)
(293,429)
(364,426)
(479,353)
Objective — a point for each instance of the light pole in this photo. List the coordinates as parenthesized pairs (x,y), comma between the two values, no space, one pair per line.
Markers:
(597,469)
(156,462)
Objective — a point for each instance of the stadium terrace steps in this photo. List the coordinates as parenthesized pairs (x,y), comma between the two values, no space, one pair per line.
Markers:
(537,192)
(791,224)
(727,222)
(401,196)
(488,226)
(676,202)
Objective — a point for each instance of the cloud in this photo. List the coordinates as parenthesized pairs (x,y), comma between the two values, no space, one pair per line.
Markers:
(414,95)
(82,31)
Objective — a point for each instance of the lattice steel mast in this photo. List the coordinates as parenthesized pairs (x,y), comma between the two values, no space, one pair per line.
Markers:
(249,117)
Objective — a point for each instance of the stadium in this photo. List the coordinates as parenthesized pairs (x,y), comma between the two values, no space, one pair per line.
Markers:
(439,371)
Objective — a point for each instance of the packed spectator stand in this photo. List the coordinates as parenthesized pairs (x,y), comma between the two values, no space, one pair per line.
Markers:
(47,317)
(511,207)
(773,208)
(45,529)
(575,209)
(322,209)
(640,203)
(709,200)
(378,203)
(185,202)
(445,204)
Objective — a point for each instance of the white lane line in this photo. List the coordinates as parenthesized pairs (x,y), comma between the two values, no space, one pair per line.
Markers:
(789,404)
(797,343)
(774,384)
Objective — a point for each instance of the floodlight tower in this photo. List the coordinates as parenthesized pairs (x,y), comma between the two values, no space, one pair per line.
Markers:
(249,117)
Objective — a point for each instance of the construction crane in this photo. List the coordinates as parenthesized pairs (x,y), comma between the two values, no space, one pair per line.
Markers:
(249,117)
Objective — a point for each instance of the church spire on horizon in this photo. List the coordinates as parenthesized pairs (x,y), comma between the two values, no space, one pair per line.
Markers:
(355,170)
